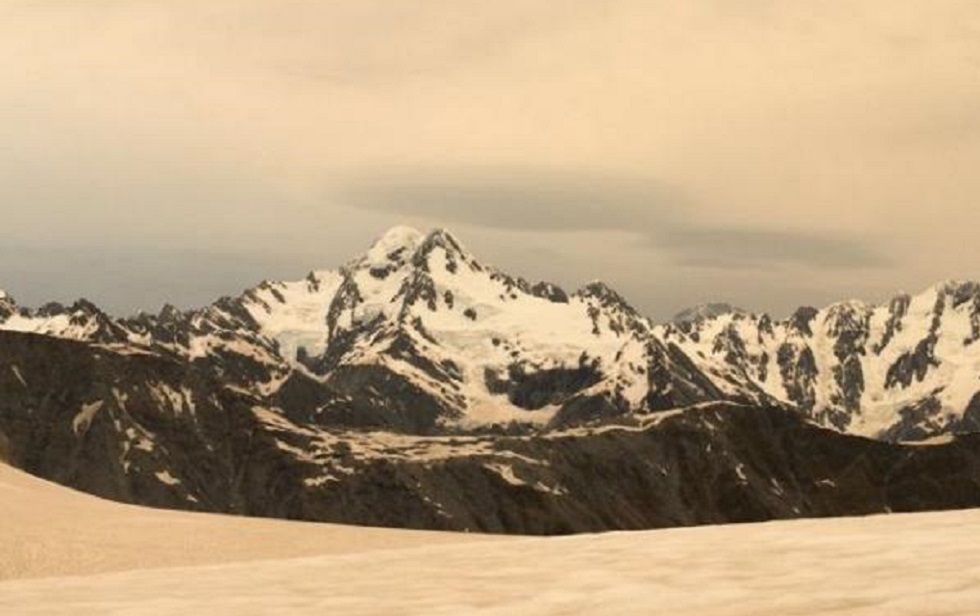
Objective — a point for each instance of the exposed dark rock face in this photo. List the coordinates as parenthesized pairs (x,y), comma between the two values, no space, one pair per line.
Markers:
(731,346)
(533,389)
(970,422)
(167,435)
(897,309)
(703,467)
(850,378)
(605,296)
(765,327)
(512,284)
(454,253)
(589,410)
(378,398)
(550,292)
(621,318)
(418,289)
(848,326)
(802,320)
(304,399)
(138,428)
(799,373)
(974,324)
(676,381)
(917,419)
(961,293)
(914,365)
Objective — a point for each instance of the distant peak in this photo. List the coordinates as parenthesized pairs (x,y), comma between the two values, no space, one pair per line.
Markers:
(86,306)
(956,287)
(398,236)
(848,307)
(400,240)
(596,288)
(169,312)
(7,305)
(550,292)
(605,294)
(706,312)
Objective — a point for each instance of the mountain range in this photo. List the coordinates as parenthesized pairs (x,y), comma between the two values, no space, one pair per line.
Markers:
(418,386)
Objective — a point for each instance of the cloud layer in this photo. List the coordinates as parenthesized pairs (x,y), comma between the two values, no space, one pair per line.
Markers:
(548,201)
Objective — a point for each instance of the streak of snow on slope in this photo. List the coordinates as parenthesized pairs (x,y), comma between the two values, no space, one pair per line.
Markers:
(59,325)
(166,478)
(84,417)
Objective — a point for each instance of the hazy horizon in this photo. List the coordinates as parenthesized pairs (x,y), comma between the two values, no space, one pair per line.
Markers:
(766,154)
(124,310)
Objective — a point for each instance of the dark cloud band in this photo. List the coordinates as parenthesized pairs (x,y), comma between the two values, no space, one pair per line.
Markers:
(554,201)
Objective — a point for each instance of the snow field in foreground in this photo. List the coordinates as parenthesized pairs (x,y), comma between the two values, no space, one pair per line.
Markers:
(919,564)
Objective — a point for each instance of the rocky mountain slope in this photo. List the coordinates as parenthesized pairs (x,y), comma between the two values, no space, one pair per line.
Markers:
(905,370)
(415,336)
(144,429)
(416,386)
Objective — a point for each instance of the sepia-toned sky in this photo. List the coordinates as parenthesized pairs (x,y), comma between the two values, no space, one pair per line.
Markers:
(769,153)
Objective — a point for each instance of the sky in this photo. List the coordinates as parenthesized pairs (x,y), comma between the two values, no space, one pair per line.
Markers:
(766,153)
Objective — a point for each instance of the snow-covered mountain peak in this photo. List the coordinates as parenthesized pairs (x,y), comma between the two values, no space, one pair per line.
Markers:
(398,243)
(604,294)
(405,256)
(846,316)
(849,306)
(421,274)
(702,312)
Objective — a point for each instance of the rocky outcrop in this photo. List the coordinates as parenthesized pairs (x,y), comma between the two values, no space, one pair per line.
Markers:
(534,389)
(138,428)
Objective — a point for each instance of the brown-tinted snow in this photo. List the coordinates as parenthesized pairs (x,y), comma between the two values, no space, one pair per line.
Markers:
(897,565)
